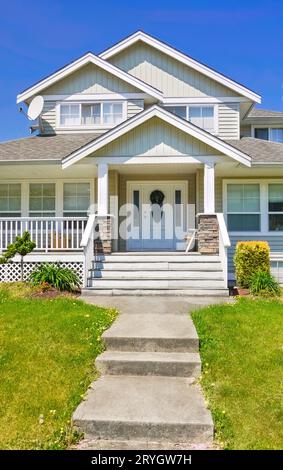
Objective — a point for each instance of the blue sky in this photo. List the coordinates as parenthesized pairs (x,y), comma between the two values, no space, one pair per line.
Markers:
(242,39)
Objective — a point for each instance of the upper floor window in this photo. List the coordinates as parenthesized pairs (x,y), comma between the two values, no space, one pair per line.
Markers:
(269,133)
(201,116)
(91,114)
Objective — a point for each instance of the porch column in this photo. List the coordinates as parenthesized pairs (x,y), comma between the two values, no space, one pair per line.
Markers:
(209,188)
(102,244)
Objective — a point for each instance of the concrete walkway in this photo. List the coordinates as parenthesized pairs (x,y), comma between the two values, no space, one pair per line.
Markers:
(147,396)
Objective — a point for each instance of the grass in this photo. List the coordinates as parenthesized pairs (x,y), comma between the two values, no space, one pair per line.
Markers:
(242,357)
(47,352)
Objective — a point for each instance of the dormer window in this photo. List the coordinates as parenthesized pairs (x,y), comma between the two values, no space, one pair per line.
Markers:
(201,116)
(102,114)
(269,133)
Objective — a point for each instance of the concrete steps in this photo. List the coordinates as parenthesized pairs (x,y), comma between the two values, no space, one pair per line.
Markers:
(154,273)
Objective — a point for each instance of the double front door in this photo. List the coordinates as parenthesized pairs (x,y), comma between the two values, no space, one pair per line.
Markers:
(158,215)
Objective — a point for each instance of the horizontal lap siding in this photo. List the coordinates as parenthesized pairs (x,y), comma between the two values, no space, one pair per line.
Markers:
(135,107)
(48,117)
(228,121)
(246,131)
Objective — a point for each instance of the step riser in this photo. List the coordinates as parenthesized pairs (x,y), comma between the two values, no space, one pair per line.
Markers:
(168,369)
(155,284)
(151,345)
(155,275)
(156,258)
(177,432)
(150,266)
(91,291)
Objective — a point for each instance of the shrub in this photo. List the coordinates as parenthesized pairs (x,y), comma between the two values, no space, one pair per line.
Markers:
(56,276)
(23,245)
(264,284)
(250,257)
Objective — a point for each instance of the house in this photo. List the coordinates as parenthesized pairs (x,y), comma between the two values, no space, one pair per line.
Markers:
(136,148)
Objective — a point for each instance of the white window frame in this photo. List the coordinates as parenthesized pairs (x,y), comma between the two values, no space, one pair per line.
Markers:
(31,212)
(87,126)
(273,212)
(268,127)
(199,105)
(264,212)
(21,208)
(76,182)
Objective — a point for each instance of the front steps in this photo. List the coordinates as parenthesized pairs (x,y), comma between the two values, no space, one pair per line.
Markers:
(164,273)
(147,396)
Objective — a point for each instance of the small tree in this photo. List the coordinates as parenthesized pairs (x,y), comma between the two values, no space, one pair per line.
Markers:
(21,246)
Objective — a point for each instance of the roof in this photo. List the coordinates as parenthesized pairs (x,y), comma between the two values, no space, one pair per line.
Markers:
(43,148)
(257,112)
(87,58)
(183,58)
(168,117)
(261,151)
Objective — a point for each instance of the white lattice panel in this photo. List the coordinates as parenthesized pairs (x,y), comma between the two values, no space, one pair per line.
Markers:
(12,271)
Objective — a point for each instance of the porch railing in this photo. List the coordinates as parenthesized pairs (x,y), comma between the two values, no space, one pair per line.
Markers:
(48,233)
(224,244)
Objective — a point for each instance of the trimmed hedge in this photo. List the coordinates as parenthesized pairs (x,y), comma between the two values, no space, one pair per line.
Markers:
(250,257)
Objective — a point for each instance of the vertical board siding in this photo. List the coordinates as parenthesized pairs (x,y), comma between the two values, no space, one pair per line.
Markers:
(173,78)
(48,117)
(228,120)
(134,107)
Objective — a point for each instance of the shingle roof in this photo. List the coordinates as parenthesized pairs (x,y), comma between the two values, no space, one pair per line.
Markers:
(258,113)
(52,147)
(261,151)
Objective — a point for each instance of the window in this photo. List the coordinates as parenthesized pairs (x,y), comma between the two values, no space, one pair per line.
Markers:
(10,200)
(70,115)
(201,116)
(275,207)
(76,199)
(91,114)
(243,207)
(42,200)
(273,134)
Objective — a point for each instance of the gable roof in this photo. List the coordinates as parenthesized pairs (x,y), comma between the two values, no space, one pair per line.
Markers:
(89,57)
(183,58)
(258,112)
(168,117)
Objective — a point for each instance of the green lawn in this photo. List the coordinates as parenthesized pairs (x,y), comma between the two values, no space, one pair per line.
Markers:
(242,356)
(47,352)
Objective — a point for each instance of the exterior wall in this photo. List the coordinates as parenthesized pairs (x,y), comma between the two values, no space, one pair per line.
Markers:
(155,137)
(228,121)
(191,178)
(135,107)
(166,74)
(246,131)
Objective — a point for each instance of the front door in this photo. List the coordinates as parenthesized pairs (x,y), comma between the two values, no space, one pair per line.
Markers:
(158,215)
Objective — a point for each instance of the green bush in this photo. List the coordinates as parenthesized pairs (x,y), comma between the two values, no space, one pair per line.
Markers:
(250,257)
(56,276)
(264,284)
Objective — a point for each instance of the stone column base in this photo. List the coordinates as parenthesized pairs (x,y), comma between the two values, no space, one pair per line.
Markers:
(208,234)
(103,240)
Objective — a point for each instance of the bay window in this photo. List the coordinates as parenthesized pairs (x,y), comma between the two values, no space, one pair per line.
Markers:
(42,200)
(76,199)
(243,207)
(10,200)
(275,207)
(201,116)
(91,114)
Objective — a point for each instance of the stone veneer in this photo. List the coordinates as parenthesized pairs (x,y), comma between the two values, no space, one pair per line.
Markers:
(103,243)
(208,234)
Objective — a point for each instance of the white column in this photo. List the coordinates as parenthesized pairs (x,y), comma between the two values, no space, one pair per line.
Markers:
(102,188)
(209,191)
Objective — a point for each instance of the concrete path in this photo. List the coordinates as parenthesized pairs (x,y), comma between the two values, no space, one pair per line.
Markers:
(147,396)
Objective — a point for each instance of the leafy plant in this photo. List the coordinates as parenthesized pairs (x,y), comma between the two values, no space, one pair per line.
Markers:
(264,284)
(21,246)
(250,257)
(56,276)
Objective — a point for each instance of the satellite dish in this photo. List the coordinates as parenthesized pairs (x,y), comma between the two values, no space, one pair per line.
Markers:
(35,107)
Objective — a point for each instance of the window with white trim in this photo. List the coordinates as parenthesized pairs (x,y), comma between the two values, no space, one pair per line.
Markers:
(243,207)
(76,200)
(10,200)
(91,114)
(274,134)
(42,199)
(201,116)
(275,207)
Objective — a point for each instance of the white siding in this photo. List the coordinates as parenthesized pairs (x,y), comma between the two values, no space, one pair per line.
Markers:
(228,121)
(166,74)
(158,138)
(48,117)
(134,107)
(246,131)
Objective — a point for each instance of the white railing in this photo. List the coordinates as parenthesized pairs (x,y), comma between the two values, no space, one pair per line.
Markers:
(48,233)
(87,245)
(224,244)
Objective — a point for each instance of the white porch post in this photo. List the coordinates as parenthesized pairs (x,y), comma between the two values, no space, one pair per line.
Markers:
(102,188)
(209,188)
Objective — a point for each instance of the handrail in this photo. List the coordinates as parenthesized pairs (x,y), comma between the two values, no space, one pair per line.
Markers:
(224,244)
(88,230)
(223,230)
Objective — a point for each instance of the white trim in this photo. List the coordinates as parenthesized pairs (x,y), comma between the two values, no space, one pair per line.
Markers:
(203,100)
(102,188)
(184,59)
(268,127)
(168,117)
(264,222)
(153,160)
(209,188)
(77,64)
(96,96)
